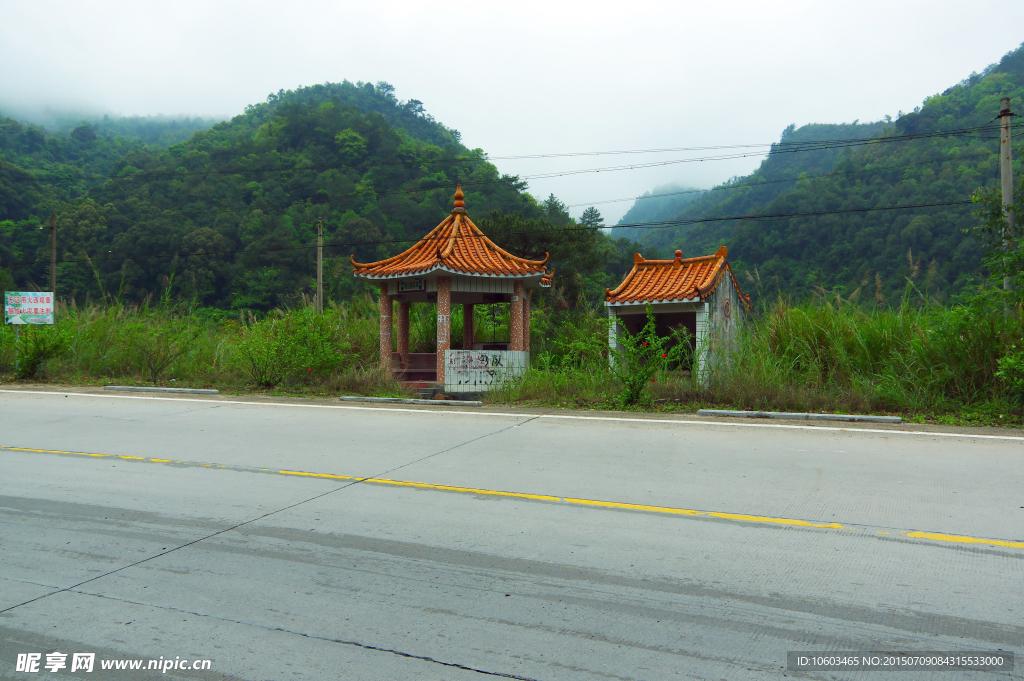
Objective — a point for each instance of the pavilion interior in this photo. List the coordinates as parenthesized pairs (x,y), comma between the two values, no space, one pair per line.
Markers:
(665,324)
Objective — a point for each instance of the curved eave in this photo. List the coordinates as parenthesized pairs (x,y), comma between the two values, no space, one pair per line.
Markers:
(449,270)
(662,301)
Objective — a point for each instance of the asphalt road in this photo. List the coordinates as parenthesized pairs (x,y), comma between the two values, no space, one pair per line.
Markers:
(314,540)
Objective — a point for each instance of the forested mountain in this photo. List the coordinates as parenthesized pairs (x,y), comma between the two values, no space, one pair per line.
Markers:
(158,130)
(908,162)
(778,173)
(663,203)
(229,216)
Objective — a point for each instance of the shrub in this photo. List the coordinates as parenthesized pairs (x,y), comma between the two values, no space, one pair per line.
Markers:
(38,344)
(290,345)
(1011,371)
(154,344)
(638,359)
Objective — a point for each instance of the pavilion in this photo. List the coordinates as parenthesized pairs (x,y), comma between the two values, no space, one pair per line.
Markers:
(456,264)
(700,294)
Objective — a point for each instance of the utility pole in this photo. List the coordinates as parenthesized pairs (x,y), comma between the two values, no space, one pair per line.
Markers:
(53,255)
(1006,175)
(319,265)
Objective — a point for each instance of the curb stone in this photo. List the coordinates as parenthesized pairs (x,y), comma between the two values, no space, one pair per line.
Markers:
(863,418)
(141,389)
(402,400)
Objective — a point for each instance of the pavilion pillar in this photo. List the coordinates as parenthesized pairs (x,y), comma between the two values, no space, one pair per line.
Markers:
(516,317)
(613,336)
(467,326)
(402,329)
(526,319)
(444,323)
(385,327)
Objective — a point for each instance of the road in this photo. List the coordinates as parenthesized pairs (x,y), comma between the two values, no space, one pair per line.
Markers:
(291,539)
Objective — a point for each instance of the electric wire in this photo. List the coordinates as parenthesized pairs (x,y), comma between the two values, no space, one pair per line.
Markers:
(561,230)
(774,148)
(743,185)
(505,179)
(763,149)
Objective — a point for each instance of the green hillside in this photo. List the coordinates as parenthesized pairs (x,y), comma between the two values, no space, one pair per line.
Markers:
(242,198)
(777,174)
(227,217)
(663,203)
(874,251)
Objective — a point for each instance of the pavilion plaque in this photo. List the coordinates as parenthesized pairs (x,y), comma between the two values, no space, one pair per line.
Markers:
(412,285)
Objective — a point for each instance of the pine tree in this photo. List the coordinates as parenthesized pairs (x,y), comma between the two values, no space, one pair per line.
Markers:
(592,218)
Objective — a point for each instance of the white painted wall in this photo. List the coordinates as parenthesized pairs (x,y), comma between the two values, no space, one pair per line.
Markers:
(473,371)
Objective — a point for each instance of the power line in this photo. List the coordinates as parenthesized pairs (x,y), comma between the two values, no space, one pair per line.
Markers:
(765,149)
(505,179)
(723,187)
(562,230)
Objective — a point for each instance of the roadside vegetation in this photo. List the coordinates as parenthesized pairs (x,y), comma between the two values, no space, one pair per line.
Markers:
(291,350)
(186,258)
(957,364)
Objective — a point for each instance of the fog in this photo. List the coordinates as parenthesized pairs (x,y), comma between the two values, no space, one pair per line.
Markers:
(528,78)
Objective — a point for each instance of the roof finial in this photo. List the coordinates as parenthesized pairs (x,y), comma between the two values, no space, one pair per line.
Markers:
(459,203)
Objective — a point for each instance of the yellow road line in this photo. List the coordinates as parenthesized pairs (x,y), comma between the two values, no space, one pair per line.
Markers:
(934,536)
(467,490)
(317,475)
(736,517)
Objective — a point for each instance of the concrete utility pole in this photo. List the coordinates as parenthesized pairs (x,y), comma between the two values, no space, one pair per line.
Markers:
(319,265)
(1006,174)
(53,255)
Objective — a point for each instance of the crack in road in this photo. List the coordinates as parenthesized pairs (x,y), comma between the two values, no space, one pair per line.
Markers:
(357,644)
(271,513)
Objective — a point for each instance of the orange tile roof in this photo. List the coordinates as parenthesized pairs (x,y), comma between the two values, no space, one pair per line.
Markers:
(456,245)
(665,281)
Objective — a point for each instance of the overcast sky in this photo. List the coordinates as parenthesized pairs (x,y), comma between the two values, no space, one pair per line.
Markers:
(521,77)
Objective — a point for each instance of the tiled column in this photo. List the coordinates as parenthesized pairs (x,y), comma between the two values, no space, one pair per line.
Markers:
(703,347)
(385,327)
(444,322)
(613,335)
(516,318)
(526,319)
(402,329)
(467,326)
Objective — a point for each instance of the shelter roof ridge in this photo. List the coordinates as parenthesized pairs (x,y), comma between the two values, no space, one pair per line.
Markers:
(671,280)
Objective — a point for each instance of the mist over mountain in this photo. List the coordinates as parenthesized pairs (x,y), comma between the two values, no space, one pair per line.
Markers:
(225,212)
(159,130)
(664,202)
(228,217)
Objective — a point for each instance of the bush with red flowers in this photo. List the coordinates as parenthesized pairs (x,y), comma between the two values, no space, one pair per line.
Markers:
(641,358)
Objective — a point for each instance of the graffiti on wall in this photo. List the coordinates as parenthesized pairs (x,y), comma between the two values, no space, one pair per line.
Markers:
(479,370)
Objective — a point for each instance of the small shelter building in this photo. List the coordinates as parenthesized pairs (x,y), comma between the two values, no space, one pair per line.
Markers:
(455,264)
(698,294)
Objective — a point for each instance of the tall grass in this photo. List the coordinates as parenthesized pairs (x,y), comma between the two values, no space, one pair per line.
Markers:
(827,355)
(818,356)
(909,359)
(292,349)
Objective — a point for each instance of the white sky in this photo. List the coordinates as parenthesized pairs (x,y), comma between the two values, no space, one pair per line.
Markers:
(524,77)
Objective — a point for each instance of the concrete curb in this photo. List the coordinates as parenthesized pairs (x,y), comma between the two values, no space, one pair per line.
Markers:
(863,418)
(140,389)
(402,400)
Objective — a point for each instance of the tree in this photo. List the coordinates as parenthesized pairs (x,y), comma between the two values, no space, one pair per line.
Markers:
(1004,256)
(592,218)
(555,211)
(84,134)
